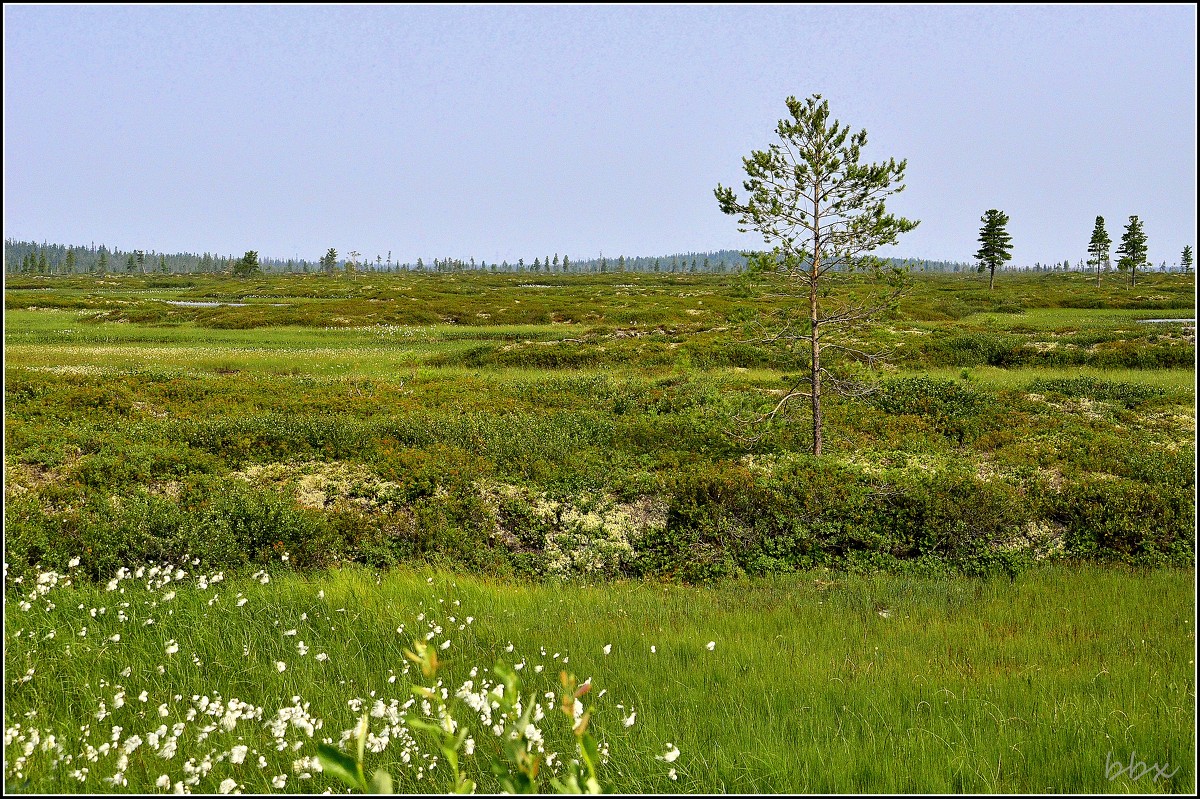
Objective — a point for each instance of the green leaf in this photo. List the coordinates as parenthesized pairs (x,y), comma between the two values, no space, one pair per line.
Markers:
(381,782)
(362,736)
(336,762)
(423,726)
(590,752)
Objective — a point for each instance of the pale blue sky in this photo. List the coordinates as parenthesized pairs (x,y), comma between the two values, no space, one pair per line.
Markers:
(500,132)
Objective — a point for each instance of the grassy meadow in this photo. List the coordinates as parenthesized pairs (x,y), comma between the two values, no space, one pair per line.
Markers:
(985,584)
(841,684)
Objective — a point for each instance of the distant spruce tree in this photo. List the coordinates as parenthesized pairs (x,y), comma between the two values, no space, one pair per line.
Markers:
(247,265)
(994,244)
(1133,249)
(102,262)
(1098,247)
(328,261)
(1185,258)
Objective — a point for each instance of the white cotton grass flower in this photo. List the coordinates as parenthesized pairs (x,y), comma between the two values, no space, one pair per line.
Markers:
(172,647)
(280,665)
(163,782)
(711,645)
(672,774)
(628,721)
(670,755)
(607,648)
(228,785)
(652,649)
(279,781)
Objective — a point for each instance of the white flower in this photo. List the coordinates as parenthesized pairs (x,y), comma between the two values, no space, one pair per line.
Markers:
(632,718)
(607,648)
(115,638)
(172,647)
(238,754)
(242,601)
(279,781)
(321,594)
(228,785)
(671,754)
(290,632)
(711,645)
(163,782)
(71,565)
(280,665)
(652,649)
(322,657)
(446,645)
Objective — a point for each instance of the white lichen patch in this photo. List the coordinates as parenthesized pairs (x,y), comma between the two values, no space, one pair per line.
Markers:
(319,484)
(580,536)
(1040,538)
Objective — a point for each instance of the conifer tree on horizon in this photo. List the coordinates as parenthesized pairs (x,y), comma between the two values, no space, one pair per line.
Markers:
(994,244)
(1098,246)
(1133,249)
(1185,258)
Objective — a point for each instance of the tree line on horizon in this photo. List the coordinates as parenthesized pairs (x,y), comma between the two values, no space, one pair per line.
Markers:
(29,257)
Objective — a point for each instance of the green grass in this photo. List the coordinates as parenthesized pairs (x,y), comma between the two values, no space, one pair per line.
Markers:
(1181,382)
(818,683)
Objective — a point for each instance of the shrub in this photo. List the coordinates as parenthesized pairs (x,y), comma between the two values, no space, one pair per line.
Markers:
(1111,518)
(1128,394)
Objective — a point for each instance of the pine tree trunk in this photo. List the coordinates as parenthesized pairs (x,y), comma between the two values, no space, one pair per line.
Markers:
(816,357)
(991,278)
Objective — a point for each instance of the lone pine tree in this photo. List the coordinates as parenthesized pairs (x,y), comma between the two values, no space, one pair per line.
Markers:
(1133,249)
(1098,247)
(823,213)
(994,244)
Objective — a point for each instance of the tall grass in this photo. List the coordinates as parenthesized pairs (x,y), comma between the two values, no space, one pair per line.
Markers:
(815,683)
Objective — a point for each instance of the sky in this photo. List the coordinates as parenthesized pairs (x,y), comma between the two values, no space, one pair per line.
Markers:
(501,132)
